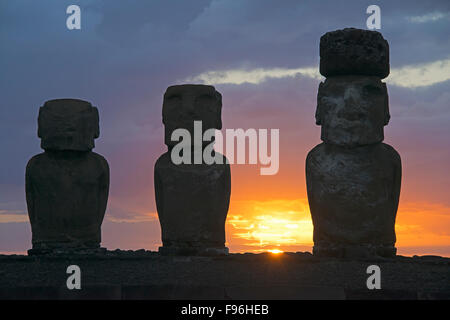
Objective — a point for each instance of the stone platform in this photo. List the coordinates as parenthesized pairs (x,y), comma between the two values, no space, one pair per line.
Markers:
(288,276)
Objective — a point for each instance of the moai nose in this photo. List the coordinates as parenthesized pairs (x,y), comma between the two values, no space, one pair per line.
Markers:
(351,95)
(189,105)
(351,109)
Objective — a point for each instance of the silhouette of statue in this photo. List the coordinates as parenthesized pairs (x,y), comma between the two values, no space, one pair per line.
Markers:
(192,199)
(353,179)
(67,185)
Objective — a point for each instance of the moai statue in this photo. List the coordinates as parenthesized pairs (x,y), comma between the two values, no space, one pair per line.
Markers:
(353,178)
(67,185)
(192,199)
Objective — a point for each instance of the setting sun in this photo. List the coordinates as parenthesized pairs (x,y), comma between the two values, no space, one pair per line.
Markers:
(275,251)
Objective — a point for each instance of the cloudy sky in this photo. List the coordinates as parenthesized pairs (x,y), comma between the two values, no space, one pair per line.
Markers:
(263,57)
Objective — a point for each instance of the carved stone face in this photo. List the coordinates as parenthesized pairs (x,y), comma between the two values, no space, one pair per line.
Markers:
(68,124)
(184,104)
(352,110)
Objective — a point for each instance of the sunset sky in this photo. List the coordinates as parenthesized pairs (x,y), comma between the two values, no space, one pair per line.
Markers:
(263,57)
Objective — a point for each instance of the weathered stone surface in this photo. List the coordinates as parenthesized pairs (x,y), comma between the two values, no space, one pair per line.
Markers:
(192,202)
(353,179)
(68,124)
(353,195)
(67,185)
(352,110)
(354,52)
(183,104)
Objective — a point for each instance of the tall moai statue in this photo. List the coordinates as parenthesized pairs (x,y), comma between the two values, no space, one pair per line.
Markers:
(192,197)
(67,185)
(353,178)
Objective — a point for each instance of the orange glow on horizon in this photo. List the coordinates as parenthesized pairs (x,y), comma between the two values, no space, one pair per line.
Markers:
(266,225)
(258,225)
(421,228)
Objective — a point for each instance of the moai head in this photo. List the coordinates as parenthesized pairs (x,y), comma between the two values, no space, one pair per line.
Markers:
(68,124)
(352,110)
(184,104)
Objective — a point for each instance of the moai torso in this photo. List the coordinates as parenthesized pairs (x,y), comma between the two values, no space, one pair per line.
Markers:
(353,179)
(67,185)
(192,203)
(353,193)
(192,199)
